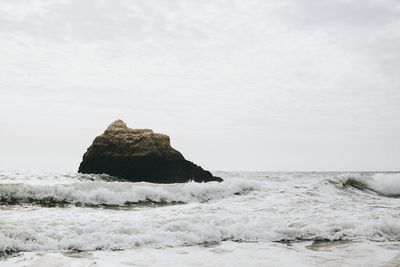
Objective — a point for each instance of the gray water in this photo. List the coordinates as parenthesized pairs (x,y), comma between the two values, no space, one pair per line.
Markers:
(250,219)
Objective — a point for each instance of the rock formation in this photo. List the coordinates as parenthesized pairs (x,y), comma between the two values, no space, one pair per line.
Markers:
(140,155)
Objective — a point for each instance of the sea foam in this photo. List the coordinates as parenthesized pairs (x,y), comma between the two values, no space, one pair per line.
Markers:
(80,230)
(249,207)
(120,193)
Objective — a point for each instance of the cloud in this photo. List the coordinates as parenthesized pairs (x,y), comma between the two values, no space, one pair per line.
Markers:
(266,72)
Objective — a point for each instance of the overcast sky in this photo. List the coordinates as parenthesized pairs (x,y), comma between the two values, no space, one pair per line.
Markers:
(238,85)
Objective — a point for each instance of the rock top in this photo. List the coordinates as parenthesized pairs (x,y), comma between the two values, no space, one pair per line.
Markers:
(140,155)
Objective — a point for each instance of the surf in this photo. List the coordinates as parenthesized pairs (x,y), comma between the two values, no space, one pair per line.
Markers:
(385,184)
(100,193)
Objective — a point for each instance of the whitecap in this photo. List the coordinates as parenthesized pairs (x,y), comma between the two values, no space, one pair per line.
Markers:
(120,193)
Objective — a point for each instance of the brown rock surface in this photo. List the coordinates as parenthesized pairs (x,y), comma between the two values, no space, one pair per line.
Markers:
(140,155)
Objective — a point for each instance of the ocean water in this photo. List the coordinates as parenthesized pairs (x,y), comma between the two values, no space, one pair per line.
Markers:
(250,219)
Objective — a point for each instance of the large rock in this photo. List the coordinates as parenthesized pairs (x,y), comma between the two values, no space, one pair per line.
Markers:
(140,155)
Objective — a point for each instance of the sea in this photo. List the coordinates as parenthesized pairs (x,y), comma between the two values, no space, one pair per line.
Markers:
(250,219)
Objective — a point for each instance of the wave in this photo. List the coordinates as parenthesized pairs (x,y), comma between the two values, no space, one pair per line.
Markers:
(162,230)
(291,208)
(50,178)
(98,193)
(386,184)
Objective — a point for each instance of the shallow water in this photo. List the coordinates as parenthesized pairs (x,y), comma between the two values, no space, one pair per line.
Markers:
(250,219)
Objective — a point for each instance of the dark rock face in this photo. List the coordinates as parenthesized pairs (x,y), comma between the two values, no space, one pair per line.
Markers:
(140,155)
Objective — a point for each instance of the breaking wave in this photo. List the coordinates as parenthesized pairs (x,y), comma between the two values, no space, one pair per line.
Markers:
(95,193)
(248,207)
(157,231)
(386,184)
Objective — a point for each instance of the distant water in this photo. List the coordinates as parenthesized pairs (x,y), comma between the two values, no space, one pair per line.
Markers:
(250,219)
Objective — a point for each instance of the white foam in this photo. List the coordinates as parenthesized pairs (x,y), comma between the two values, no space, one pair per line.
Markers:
(290,208)
(386,183)
(120,193)
(88,229)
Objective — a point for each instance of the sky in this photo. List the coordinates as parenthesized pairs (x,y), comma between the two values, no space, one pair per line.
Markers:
(256,85)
